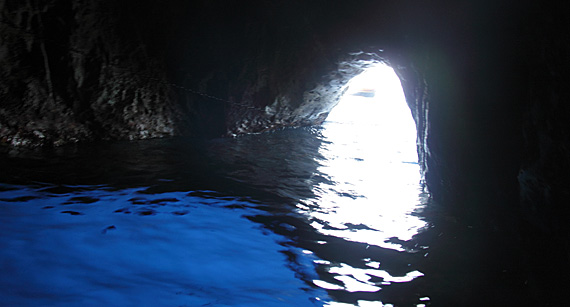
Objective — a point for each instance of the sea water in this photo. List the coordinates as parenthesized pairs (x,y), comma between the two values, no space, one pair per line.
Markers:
(318,216)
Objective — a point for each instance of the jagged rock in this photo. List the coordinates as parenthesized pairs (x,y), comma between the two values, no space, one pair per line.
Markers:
(486,82)
(69,74)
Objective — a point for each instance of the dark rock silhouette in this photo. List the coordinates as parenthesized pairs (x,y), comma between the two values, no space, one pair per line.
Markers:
(486,82)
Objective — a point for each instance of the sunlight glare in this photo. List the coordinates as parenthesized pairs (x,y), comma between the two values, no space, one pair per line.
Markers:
(370,156)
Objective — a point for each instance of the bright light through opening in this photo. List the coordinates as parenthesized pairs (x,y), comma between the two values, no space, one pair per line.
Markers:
(375,98)
(370,161)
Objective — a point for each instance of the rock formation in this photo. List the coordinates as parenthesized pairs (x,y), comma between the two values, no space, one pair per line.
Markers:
(485,82)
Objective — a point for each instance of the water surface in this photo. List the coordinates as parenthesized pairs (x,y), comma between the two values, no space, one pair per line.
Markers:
(322,216)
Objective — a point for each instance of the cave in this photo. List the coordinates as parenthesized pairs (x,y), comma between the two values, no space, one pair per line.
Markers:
(484,82)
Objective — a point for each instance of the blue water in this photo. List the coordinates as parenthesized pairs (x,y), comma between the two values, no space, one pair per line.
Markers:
(96,246)
(322,216)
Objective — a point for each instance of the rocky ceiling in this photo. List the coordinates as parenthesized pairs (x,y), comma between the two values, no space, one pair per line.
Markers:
(485,81)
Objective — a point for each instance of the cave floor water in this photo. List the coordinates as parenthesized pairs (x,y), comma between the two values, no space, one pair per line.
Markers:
(277,219)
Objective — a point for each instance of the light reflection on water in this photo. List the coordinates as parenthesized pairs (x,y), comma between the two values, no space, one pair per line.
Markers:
(299,217)
(369,154)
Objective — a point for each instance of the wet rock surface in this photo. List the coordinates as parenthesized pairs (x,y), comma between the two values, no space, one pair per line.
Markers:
(75,70)
(69,75)
(485,82)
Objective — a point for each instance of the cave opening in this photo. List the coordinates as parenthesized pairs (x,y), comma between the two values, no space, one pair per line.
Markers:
(370,154)
(483,80)
(375,103)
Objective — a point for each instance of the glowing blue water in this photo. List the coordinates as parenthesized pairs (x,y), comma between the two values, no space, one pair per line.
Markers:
(103,247)
(260,220)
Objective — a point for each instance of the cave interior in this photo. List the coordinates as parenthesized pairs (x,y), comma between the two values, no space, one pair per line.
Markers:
(484,81)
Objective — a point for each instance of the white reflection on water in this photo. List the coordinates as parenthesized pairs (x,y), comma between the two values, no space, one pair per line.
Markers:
(360,303)
(370,156)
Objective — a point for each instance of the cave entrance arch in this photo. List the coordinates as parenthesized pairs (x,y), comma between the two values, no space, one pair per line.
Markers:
(370,155)
(374,101)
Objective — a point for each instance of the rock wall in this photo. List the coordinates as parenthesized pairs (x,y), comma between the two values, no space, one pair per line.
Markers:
(80,70)
(544,175)
(70,71)
(485,81)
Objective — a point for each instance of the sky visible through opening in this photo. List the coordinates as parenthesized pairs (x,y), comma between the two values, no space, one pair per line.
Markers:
(370,155)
